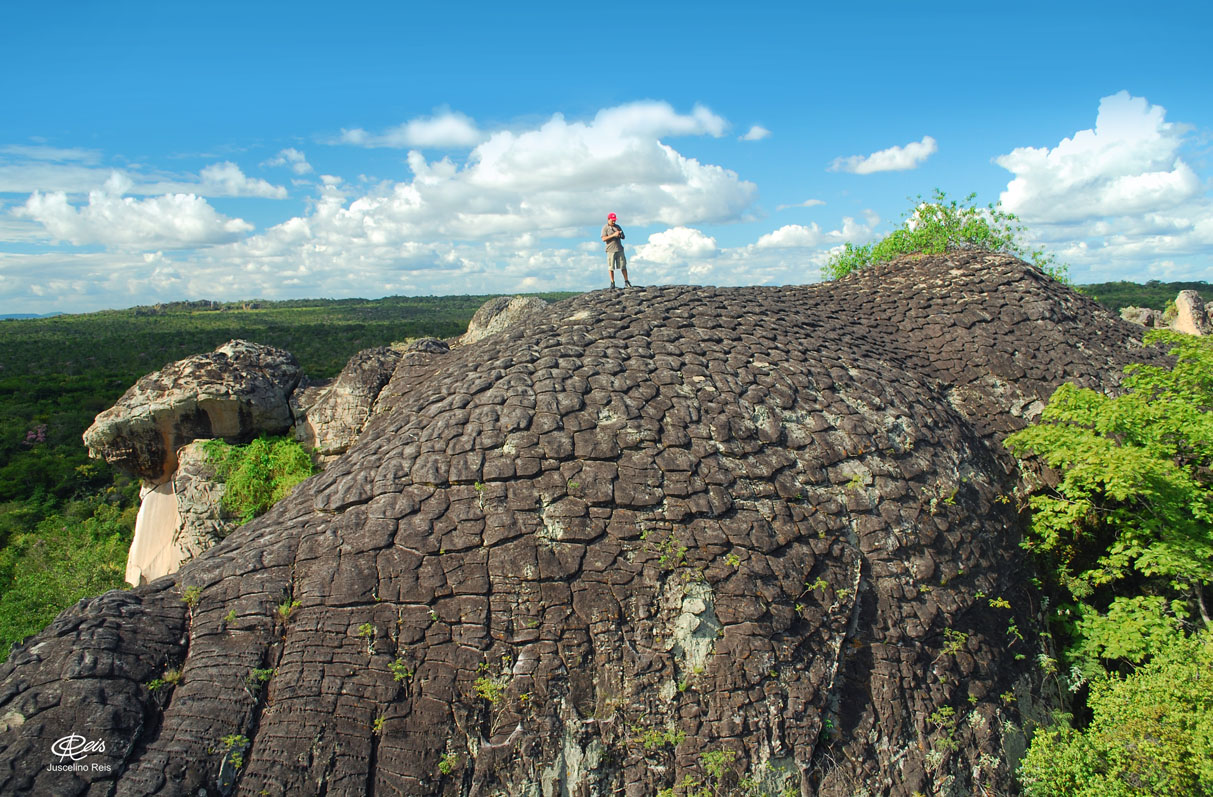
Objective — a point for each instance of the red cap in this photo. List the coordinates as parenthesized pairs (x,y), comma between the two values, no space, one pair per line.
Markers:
(611,216)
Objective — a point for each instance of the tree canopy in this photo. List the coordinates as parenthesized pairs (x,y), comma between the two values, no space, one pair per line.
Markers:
(937,225)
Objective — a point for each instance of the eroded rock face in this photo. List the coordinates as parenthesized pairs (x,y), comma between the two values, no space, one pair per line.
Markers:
(178,519)
(234,392)
(500,313)
(330,416)
(765,518)
(1190,315)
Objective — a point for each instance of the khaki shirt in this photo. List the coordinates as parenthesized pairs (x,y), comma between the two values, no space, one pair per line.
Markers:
(615,244)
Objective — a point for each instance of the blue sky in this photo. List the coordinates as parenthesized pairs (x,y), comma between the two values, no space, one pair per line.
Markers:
(160,151)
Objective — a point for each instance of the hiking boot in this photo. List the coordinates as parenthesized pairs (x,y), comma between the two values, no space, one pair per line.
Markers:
(627,284)
(613,287)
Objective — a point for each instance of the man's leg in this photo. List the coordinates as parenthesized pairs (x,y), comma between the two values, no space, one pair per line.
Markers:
(626,282)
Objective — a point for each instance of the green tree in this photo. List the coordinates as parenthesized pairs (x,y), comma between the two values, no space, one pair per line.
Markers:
(937,225)
(1127,532)
(1151,732)
(1126,537)
(63,559)
(258,475)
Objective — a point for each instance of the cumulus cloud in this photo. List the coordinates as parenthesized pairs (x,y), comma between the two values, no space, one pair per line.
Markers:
(1116,200)
(498,218)
(550,180)
(656,119)
(755,133)
(447,130)
(675,245)
(74,171)
(808,203)
(226,179)
(1128,163)
(113,220)
(798,236)
(893,159)
(293,158)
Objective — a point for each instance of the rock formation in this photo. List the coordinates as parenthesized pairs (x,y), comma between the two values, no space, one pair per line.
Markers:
(178,519)
(237,392)
(498,314)
(330,416)
(234,392)
(571,558)
(1190,315)
(1143,316)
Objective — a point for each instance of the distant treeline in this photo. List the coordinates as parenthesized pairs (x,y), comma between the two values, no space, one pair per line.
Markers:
(1154,294)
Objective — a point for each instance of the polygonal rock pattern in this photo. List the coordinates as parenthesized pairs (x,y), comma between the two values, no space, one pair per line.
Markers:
(329,417)
(235,392)
(178,519)
(499,313)
(569,559)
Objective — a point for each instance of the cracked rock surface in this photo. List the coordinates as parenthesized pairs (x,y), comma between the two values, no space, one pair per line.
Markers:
(571,557)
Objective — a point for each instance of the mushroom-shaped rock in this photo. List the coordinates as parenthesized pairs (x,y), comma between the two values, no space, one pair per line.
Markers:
(329,416)
(641,527)
(235,392)
(498,314)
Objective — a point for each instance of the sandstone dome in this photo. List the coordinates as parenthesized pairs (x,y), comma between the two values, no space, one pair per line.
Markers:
(574,556)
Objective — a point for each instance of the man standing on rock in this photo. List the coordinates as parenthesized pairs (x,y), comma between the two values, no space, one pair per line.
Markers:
(612,236)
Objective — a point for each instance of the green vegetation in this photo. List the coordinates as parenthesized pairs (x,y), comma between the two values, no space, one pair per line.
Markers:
(937,225)
(1126,540)
(67,555)
(257,475)
(1151,732)
(449,763)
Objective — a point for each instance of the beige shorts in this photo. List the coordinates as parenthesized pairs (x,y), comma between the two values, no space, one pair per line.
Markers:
(616,260)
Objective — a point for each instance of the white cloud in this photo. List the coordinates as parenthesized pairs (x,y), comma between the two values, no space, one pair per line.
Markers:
(893,159)
(656,119)
(226,179)
(43,152)
(447,130)
(755,133)
(113,220)
(73,171)
(1127,164)
(293,158)
(675,245)
(1116,200)
(550,180)
(808,203)
(522,208)
(798,236)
